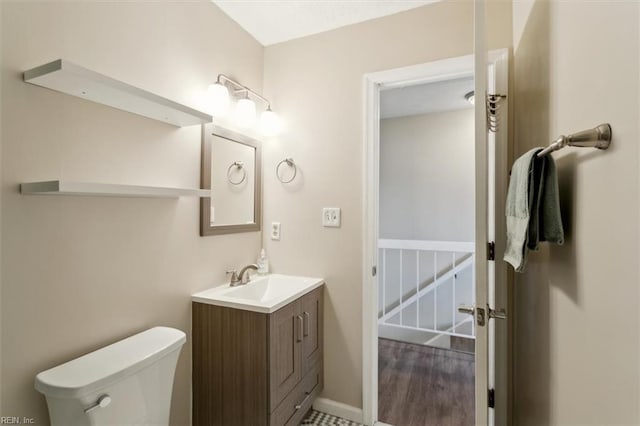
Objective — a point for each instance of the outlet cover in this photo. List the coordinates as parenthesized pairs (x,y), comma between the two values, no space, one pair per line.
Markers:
(275,231)
(331,217)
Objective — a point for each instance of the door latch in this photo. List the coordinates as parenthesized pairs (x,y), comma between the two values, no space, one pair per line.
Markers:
(497,313)
(477,312)
(480,318)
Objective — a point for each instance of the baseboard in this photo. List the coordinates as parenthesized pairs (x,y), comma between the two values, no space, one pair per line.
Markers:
(338,409)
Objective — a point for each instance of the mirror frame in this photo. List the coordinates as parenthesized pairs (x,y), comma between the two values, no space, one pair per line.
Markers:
(208,131)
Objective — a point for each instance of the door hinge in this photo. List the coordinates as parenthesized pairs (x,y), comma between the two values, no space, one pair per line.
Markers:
(491,398)
(491,250)
(374,271)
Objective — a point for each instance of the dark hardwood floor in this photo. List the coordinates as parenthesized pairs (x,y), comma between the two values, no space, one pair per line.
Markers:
(423,385)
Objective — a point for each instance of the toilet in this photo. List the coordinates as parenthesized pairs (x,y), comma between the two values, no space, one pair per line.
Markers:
(126,383)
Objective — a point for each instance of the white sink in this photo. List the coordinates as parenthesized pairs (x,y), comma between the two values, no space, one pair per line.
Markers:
(262,294)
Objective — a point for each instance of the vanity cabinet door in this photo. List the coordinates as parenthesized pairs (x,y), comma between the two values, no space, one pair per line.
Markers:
(286,329)
(312,307)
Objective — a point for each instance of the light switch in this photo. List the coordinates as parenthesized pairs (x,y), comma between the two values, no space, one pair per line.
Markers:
(275,230)
(331,217)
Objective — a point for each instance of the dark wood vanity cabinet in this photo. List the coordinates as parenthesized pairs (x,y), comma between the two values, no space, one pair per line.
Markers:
(254,369)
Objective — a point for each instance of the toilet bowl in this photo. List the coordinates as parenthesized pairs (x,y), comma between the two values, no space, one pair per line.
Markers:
(126,383)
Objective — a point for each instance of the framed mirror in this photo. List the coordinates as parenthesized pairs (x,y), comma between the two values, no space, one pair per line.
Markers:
(231,168)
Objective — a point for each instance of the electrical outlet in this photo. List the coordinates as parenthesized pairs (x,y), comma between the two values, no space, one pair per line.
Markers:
(275,231)
(331,217)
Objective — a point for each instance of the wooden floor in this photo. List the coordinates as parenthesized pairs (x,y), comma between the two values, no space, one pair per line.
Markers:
(423,385)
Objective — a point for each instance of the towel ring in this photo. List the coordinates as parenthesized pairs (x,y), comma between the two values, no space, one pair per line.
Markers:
(291,164)
(240,166)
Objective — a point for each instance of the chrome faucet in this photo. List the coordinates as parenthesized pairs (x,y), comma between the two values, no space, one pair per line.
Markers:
(242,277)
(234,281)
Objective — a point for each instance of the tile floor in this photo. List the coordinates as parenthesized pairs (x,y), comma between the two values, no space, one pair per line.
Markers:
(324,419)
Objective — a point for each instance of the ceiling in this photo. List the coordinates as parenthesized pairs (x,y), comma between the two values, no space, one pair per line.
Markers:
(275,21)
(441,96)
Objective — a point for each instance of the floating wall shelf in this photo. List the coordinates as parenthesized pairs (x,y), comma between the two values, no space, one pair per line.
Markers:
(66,77)
(59,187)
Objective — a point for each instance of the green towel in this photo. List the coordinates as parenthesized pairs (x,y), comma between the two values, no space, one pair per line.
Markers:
(533,207)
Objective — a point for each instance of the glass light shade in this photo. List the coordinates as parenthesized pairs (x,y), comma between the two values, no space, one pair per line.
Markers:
(270,123)
(219,95)
(470,97)
(245,112)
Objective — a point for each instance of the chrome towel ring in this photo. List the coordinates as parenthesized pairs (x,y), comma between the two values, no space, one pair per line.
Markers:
(240,166)
(290,163)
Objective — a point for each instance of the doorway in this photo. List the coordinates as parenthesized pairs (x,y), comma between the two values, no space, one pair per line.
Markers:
(411,262)
(426,250)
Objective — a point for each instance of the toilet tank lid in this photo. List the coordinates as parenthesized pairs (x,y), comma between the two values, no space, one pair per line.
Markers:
(110,364)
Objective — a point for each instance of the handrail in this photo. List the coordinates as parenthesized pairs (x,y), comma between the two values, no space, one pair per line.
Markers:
(457,246)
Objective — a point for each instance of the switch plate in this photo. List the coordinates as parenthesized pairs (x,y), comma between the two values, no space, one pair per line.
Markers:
(331,217)
(275,231)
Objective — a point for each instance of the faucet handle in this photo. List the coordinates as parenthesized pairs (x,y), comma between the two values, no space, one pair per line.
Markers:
(234,275)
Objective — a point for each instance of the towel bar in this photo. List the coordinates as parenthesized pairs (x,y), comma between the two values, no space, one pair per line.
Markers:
(598,137)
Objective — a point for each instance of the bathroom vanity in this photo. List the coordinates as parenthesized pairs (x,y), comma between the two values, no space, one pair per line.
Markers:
(257,351)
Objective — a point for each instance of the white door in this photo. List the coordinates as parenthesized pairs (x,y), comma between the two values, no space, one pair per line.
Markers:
(491,108)
(491,186)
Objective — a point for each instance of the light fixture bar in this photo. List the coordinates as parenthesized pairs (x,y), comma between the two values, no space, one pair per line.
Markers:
(241,88)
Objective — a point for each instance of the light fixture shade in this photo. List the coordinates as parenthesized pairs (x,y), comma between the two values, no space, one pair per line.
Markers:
(245,112)
(470,97)
(270,123)
(219,95)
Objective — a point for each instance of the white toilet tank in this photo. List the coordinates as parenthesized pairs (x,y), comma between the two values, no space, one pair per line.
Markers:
(126,383)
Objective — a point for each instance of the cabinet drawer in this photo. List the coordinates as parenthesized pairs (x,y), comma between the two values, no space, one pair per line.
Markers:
(293,408)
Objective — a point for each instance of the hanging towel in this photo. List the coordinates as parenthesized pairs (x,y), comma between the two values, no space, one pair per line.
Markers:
(549,219)
(533,207)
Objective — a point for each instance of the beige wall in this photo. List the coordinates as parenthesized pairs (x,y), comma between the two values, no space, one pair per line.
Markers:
(316,84)
(427,177)
(576,306)
(82,272)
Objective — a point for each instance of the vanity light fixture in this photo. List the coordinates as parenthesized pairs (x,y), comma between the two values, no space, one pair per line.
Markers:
(269,122)
(219,95)
(245,110)
(470,97)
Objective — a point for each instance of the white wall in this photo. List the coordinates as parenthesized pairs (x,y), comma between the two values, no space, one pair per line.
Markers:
(576,325)
(427,177)
(316,83)
(81,272)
